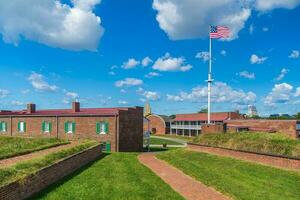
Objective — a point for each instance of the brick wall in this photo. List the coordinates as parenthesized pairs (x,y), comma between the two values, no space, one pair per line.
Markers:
(212,128)
(49,175)
(157,124)
(287,127)
(131,130)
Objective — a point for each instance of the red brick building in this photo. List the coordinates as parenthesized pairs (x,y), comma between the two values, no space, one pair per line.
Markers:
(191,124)
(289,127)
(121,128)
(157,124)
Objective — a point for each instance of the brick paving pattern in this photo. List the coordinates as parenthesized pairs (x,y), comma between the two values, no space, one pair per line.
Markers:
(185,185)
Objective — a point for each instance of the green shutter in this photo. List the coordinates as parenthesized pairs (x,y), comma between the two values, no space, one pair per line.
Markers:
(98,127)
(5,126)
(50,127)
(24,126)
(108,146)
(66,127)
(43,126)
(73,127)
(106,127)
(1,126)
(18,126)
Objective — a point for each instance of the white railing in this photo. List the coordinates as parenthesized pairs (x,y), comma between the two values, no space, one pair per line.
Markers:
(193,127)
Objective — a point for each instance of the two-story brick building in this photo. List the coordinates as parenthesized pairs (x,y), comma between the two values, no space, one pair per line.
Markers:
(120,128)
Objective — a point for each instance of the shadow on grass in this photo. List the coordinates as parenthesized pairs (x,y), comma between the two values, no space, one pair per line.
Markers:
(65,179)
(158,149)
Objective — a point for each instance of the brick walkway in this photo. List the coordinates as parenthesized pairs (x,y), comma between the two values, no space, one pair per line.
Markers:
(11,161)
(283,163)
(186,186)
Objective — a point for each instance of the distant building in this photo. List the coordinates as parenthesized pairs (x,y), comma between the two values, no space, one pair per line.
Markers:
(252,111)
(190,124)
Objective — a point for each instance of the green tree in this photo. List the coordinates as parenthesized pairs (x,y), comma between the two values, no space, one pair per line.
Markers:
(203,110)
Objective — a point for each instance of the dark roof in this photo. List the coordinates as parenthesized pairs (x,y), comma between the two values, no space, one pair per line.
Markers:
(165,118)
(58,112)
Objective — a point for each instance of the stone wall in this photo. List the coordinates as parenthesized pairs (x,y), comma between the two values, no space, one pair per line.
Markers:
(48,175)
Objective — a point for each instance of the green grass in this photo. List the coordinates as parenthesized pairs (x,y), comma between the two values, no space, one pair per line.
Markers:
(237,179)
(163,141)
(184,138)
(13,146)
(274,143)
(116,176)
(20,170)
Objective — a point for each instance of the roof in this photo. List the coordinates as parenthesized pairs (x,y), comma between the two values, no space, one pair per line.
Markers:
(165,118)
(58,112)
(203,116)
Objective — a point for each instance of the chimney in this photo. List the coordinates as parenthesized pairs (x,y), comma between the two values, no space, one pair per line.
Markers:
(31,108)
(75,106)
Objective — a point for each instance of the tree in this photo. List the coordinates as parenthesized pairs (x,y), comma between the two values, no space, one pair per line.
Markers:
(203,110)
(298,115)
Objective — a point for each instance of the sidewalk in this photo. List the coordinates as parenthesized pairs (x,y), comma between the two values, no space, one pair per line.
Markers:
(185,185)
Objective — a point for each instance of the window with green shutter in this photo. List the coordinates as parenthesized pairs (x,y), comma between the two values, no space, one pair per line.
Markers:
(70,127)
(102,127)
(46,127)
(22,127)
(1,127)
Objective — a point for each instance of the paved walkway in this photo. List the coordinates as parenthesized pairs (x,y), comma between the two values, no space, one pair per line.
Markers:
(283,163)
(14,160)
(185,185)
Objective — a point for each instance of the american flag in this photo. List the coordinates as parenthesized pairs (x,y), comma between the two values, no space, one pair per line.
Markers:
(219,32)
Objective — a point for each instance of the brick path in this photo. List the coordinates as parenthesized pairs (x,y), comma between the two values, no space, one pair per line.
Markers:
(11,161)
(185,185)
(283,163)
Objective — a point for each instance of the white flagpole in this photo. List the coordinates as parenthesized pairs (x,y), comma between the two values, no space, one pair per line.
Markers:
(209,81)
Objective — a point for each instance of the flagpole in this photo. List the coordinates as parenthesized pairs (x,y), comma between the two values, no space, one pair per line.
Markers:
(209,81)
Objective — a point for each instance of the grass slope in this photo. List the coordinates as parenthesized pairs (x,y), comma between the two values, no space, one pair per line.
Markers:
(13,146)
(116,176)
(163,141)
(273,143)
(238,179)
(18,171)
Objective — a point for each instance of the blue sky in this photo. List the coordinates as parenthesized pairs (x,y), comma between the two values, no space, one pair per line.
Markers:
(122,53)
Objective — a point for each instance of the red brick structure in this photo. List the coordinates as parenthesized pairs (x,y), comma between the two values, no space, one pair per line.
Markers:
(157,124)
(289,127)
(40,180)
(191,124)
(213,128)
(121,128)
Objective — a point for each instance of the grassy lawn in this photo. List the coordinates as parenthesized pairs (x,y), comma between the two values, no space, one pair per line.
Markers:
(13,146)
(184,138)
(22,169)
(274,143)
(116,176)
(238,179)
(163,141)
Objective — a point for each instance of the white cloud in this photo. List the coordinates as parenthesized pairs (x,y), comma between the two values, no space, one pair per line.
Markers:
(72,95)
(52,23)
(294,54)
(203,55)
(37,81)
(152,74)
(251,29)
(26,91)
(3,93)
(247,74)
(282,74)
(221,92)
(128,82)
(297,93)
(146,61)
(168,63)
(123,91)
(265,29)
(266,5)
(191,19)
(112,73)
(130,63)
(223,52)
(17,103)
(254,59)
(121,102)
(281,93)
(149,95)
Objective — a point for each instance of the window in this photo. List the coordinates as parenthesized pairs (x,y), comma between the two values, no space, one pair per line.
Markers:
(21,127)
(69,127)
(102,127)
(46,127)
(3,126)
(298,127)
